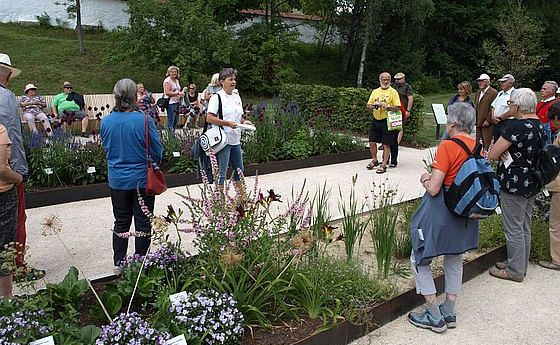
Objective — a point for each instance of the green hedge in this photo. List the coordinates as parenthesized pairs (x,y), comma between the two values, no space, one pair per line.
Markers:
(345,106)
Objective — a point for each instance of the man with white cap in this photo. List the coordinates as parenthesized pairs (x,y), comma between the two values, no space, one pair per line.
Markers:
(483,106)
(12,122)
(500,105)
(33,109)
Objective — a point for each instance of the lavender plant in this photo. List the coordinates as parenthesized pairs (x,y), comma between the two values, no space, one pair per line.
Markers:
(164,258)
(131,329)
(208,317)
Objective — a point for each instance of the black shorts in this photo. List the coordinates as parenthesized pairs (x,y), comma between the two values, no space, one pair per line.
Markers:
(8,221)
(380,134)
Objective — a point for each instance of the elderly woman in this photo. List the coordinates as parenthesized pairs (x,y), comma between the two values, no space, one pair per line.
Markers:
(172,90)
(33,109)
(123,132)
(464,90)
(232,113)
(9,209)
(517,149)
(435,231)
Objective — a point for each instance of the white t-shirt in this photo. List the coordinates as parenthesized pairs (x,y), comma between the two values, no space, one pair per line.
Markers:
(500,103)
(232,110)
(175,87)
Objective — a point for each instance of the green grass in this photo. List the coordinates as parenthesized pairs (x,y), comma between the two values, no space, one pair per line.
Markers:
(50,56)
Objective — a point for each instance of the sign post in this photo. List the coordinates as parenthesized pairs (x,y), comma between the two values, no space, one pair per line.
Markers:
(440,117)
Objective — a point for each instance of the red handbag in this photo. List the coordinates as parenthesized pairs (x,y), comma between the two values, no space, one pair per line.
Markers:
(155,181)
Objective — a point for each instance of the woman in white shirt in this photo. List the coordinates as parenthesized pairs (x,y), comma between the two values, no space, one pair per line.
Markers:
(232,111)
(172,90)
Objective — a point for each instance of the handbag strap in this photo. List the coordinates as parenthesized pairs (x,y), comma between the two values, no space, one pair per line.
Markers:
(147,137)
(220,113)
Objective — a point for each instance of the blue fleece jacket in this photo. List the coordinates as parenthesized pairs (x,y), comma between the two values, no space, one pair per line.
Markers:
(124,138)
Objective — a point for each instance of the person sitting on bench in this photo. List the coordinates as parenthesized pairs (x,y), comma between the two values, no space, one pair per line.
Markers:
(69,106)
(33,109)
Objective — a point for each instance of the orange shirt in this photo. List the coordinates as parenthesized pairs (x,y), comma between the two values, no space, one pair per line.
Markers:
(450,156)
(5,142)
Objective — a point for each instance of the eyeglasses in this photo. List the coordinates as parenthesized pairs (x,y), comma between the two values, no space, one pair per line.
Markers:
(191,88)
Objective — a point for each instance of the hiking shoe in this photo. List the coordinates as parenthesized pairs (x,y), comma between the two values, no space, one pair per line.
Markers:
(503,274)
(550,265)
(450,319)
(427,321)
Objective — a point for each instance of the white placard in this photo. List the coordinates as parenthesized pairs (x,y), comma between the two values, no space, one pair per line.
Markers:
(439,113)
(247,127)
(546,193)
(90,170)
(178,340)
(498,210)
(44,341)
(48,171)
(176,297)
(176,154)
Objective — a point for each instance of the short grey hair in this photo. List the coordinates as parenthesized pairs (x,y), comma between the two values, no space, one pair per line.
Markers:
(525,99)
(553,83)
(125,95)
(226,73)
(463,115)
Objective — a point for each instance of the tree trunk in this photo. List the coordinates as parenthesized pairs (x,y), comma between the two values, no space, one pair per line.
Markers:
(79,27)
(329,20)
(363,59)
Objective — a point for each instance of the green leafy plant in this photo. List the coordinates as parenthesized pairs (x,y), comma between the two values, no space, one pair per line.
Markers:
(300,146)
(70,291)
(353,226)
(383,219)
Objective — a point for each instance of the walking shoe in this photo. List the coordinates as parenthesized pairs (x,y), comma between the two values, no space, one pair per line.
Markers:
(503,274)
(393,165)
(427,321)
(450,319)
(550,265)
(501,265)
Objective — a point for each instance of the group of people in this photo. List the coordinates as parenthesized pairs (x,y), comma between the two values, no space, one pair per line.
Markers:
(129,136)
(66,107)
(512,126)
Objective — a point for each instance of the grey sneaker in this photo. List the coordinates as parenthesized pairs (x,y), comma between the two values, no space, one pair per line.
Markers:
(450,319)
(427,321)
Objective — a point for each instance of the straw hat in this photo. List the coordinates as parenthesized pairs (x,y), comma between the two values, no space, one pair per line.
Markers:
(6,63)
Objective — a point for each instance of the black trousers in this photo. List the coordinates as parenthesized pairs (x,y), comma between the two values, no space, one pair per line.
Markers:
(125,206)
(394,152)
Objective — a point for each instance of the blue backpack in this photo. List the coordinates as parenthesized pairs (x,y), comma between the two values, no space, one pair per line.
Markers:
(475,191)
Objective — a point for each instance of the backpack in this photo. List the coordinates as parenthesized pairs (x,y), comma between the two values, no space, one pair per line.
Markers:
(547,166)
(475,191)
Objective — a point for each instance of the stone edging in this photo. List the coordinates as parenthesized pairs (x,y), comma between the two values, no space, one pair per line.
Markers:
(101,190)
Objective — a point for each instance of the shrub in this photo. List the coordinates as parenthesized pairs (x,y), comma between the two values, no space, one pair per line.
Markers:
(44,20)
(345,107)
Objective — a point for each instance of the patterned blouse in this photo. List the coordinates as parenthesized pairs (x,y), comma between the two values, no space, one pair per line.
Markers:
(527,137)
(32,109)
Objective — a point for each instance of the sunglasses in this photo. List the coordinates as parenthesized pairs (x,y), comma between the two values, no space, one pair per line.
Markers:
(68,87)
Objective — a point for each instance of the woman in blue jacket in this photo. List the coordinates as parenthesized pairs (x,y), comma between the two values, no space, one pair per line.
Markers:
(123,132)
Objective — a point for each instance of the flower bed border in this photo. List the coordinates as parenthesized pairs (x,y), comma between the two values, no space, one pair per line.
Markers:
(101,190)
(345,332)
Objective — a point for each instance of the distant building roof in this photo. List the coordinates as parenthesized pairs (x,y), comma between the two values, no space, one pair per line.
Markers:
(289,15)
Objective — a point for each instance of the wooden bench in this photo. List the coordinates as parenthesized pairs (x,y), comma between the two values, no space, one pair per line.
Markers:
(97,104)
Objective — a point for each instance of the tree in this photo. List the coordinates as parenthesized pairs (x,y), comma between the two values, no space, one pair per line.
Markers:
(74,11)
(519,49)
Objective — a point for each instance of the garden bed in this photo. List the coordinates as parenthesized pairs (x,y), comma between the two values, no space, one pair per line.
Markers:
(54,196)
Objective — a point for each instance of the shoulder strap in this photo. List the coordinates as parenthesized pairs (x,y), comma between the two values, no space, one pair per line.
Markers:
(147,136)
(462,144)
(220,113)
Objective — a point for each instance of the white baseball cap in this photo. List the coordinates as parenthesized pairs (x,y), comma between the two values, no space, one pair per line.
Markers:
(483,76)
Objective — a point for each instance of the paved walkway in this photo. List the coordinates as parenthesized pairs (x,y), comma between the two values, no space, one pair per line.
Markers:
(490,311)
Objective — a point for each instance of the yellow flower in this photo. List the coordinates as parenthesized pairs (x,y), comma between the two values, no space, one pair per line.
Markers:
(51,225)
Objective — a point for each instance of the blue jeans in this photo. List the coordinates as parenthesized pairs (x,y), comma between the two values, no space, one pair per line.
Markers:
(172,115)
(548,132)
(230,156)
